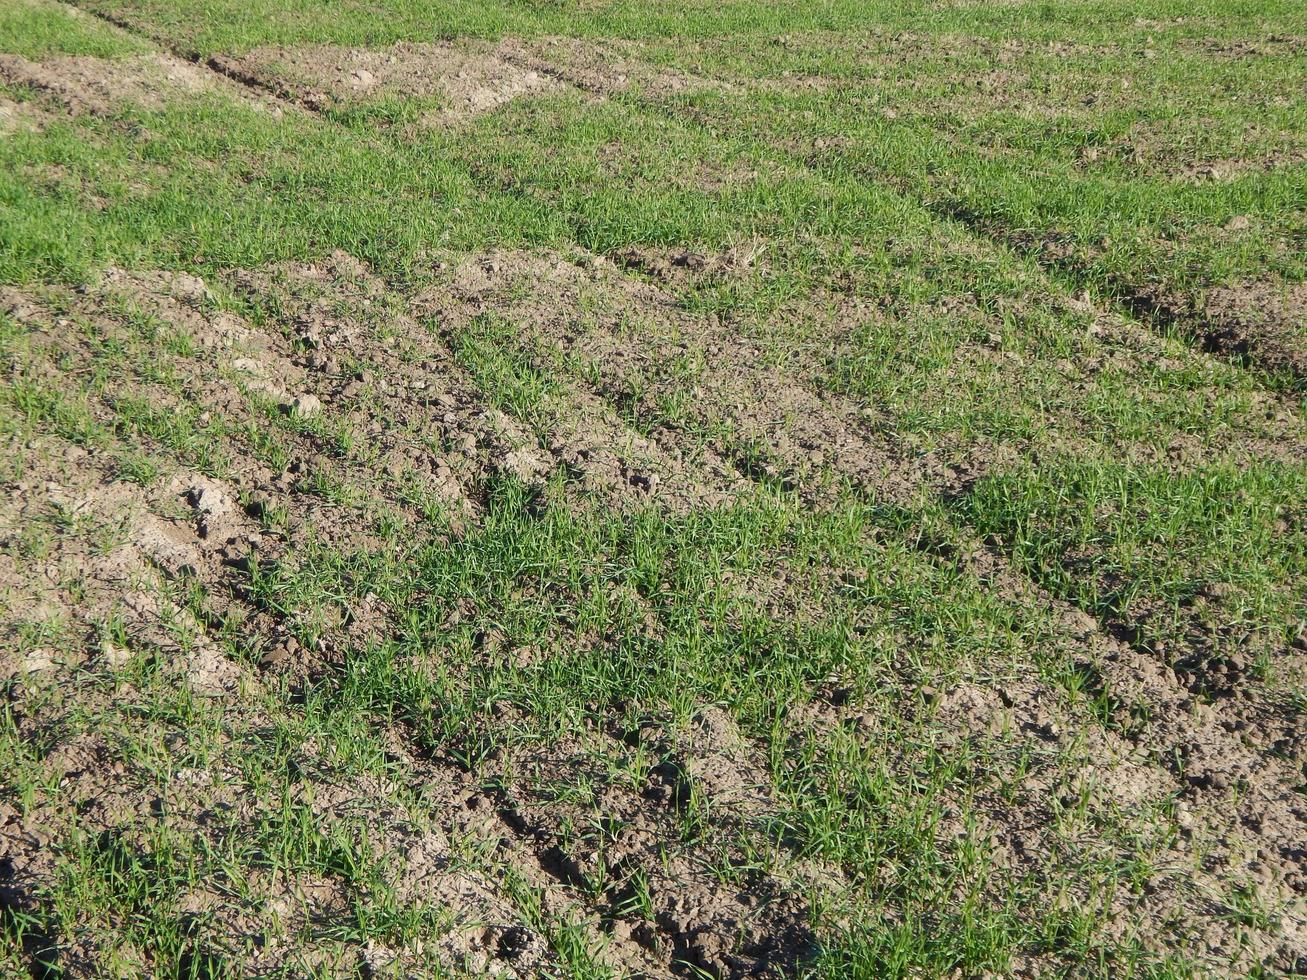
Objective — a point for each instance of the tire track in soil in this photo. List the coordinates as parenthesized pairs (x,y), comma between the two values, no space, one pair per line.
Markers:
(84,84)
(1202,748)
(1252,342)
(602,69)
(99,86)
(248,89)
(222,539)
(728,358)
(815,435)
(864,460)
(246,74)
(593,78)
(212,551)
(696,921)
(585,446)
(214,503)
(473,77)
(405,393)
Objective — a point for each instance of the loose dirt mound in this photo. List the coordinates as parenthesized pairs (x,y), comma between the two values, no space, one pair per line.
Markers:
(429,396)
(1263,323)
(212,539)
(781,430)
(104,85)
(132,558)
(470,79)
(1267,322)
(121,804)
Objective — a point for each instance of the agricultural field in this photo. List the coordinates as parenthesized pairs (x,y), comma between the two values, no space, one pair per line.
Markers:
(591,488)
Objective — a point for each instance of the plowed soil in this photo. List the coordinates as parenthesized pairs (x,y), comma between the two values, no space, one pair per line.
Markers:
(607,596)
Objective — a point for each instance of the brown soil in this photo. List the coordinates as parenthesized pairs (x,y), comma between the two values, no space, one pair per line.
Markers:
(607,67)
(1273,45)
(1168,149)
(1265,321)
(792,428)
(1260,323)
(469,79)
(105,85)
(753,928)
(18,117)
(466,78)
(607,462)
(1227,169)
(78,585)
(199,528)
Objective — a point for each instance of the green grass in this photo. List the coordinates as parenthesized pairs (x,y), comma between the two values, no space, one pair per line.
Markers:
(950,223)
(42,29)
(1096,157)
(1214,552)
(208,25)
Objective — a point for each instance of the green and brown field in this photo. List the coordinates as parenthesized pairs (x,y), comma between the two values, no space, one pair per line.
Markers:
(587,488)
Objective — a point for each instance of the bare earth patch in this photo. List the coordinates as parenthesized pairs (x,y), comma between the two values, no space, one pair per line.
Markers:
(197,529)
(161,539)
(102,85)
(18,117)
(607,67)
(1267,321)
(468,79)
